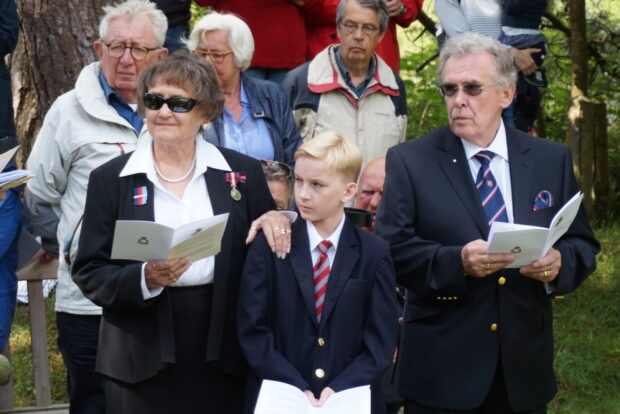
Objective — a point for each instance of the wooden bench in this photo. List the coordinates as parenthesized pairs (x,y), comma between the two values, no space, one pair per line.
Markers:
(34,274)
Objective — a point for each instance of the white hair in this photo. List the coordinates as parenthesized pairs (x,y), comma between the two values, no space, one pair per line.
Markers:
(131,9)
(468,43)
(240,39)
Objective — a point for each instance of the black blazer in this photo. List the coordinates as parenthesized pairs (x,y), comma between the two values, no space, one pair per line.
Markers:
(136,334)
(430,210)
(356,339)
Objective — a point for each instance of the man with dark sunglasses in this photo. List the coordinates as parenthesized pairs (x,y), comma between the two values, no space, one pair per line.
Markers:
(477,334)
(84,128)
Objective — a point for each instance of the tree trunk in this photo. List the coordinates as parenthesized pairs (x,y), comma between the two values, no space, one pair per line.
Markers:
(578,47)
(55,43)
(587,122)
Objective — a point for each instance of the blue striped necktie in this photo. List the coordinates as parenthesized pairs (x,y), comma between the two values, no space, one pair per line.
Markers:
(488,189)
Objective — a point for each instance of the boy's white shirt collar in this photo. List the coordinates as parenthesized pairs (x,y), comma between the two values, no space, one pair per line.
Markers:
(314,238)
(141,160)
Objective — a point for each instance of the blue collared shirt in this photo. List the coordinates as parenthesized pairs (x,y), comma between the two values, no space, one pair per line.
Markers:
(361,88)
(250,135)
(120,106)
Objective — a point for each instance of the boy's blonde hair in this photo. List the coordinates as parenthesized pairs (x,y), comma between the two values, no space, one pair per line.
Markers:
(338,153)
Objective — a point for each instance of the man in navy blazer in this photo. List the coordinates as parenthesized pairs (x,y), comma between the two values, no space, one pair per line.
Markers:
(477,336)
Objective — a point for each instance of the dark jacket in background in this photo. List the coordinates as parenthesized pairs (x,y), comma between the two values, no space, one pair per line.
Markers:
(177,11)
(524,14)
(9,29)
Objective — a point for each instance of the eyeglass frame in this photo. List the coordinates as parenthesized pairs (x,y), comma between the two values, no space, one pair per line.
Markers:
(131,50)
(352,27)
(212,54)
(273,164)
(468,88)
(168,101)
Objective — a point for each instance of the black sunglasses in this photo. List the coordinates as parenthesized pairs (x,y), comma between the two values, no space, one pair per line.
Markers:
(175,104)
(471,89)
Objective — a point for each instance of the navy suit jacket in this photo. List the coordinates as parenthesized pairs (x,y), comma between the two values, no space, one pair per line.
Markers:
(430,210)
(356,339)
(136,337)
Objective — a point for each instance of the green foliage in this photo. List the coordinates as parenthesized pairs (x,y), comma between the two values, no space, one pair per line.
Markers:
(21,358)
(425,108)
(197,13)
(587,345)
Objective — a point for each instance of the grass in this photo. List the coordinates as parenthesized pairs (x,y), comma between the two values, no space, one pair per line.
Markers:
(587,342)
(587,337)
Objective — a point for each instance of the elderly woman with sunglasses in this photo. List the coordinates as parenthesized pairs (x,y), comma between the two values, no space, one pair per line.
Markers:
(167,341)
(257,119)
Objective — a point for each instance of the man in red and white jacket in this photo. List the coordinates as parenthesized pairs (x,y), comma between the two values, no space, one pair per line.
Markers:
(320,16)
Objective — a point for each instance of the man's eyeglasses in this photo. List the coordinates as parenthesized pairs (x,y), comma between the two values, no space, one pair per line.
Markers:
(117,50)
(175,104)
(217,57)
(368,29)
(471,89)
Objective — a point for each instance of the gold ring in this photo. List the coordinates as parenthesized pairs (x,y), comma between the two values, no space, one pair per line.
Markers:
(253,228)
(283,231)
(487,267)
(289,231)
(487,272)
(547,274)
(171,276)
(276,228)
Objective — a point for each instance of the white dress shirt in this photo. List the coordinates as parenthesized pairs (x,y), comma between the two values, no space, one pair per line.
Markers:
(314,238)
(175,212)
(499,165)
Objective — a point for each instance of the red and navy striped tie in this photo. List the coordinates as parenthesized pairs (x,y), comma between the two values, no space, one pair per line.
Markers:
(490,194)
(321,274)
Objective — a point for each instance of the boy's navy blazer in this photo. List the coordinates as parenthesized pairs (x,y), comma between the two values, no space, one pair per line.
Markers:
(136,334)
(356,339)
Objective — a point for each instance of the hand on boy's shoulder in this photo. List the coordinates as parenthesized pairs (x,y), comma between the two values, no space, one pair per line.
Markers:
(277,230)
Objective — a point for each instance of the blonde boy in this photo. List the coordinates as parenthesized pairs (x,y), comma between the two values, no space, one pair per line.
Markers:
(324,318)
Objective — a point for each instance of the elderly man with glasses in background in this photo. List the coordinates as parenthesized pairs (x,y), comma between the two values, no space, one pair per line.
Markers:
(84,128)
(348,88)
(477,335)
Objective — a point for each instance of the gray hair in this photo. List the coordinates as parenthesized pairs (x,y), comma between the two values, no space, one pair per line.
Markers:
(240,39)
(377,5)
(188,72)
(278,171)
(468,43)
(131,9)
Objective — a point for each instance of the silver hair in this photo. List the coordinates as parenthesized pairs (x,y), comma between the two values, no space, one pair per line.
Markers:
(468,43)
(377,5)
(240,39)
(131,9)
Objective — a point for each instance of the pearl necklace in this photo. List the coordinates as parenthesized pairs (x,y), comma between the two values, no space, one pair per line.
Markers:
(175,180)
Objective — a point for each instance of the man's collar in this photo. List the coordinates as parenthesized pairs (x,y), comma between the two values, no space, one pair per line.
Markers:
(346,74)
(108,91)
(499,145)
